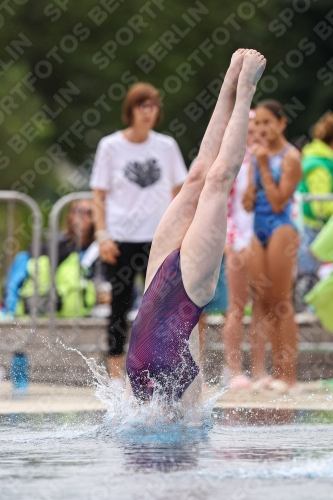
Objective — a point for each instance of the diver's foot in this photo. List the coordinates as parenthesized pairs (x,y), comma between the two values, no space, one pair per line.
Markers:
(235,67)
(253,67)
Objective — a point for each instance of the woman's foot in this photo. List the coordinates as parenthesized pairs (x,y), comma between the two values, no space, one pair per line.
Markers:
(279,385)
(240,383)
(262,384)
(294,388)
(253,67)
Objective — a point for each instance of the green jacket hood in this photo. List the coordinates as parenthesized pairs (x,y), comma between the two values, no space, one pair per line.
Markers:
(317,148)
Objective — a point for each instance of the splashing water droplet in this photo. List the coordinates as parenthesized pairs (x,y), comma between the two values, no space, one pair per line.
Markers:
(126,416)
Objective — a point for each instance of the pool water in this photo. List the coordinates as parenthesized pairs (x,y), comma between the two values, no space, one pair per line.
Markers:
(232,454)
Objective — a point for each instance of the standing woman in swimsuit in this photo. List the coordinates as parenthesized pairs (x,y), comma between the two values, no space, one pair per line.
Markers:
(238,254)
(275,173)
(187,248)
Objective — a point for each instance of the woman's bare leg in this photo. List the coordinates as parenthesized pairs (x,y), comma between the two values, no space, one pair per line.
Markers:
(283,246)
(206,233)
(261,321)
(238,277)
(258,339)
(177,219)
(203,245)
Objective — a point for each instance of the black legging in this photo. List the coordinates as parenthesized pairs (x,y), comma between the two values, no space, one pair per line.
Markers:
(132,260)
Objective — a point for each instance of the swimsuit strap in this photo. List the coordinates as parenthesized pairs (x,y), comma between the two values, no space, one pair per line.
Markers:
(285,149)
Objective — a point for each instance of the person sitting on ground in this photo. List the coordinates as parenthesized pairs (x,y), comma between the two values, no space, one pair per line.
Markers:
(73,242)
(78,233)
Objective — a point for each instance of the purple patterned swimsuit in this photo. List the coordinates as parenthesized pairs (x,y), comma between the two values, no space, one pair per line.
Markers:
(159,357)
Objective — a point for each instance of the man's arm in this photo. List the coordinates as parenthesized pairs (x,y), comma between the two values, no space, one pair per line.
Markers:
(107,247)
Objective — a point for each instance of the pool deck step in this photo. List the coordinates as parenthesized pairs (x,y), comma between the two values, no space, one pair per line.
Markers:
(50,362)
(46,398)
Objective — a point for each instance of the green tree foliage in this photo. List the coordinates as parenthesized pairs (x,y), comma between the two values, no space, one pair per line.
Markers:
(66,66)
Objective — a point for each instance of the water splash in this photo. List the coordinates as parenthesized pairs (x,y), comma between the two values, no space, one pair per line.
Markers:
(126,416)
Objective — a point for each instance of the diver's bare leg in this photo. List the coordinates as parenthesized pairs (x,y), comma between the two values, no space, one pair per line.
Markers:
(177,219)
(203,245)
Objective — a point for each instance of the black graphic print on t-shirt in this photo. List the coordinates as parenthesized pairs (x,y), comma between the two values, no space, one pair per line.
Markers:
(144,174)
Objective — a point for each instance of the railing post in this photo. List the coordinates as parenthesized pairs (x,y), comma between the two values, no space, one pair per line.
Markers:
(307,197)
(12,196)
(53,225)
(317,197)
(10,228)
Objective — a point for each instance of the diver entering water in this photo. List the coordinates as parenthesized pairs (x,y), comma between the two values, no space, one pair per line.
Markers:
(188,245)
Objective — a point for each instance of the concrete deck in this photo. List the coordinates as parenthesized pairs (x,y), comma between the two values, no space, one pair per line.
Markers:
(44,398)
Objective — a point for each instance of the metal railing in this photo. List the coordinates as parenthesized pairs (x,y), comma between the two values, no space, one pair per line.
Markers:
(308,198)
(12,197)
(53,225)
(316,197)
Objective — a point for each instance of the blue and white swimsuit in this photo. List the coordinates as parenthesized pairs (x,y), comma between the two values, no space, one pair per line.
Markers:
(266,221)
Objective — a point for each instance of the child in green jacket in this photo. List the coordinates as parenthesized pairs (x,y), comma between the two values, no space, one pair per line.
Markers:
(317,166)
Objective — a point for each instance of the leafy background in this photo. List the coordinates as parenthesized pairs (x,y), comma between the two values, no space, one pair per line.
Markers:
(45,24)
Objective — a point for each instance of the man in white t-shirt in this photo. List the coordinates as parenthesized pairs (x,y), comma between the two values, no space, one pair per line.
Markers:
(135,175)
